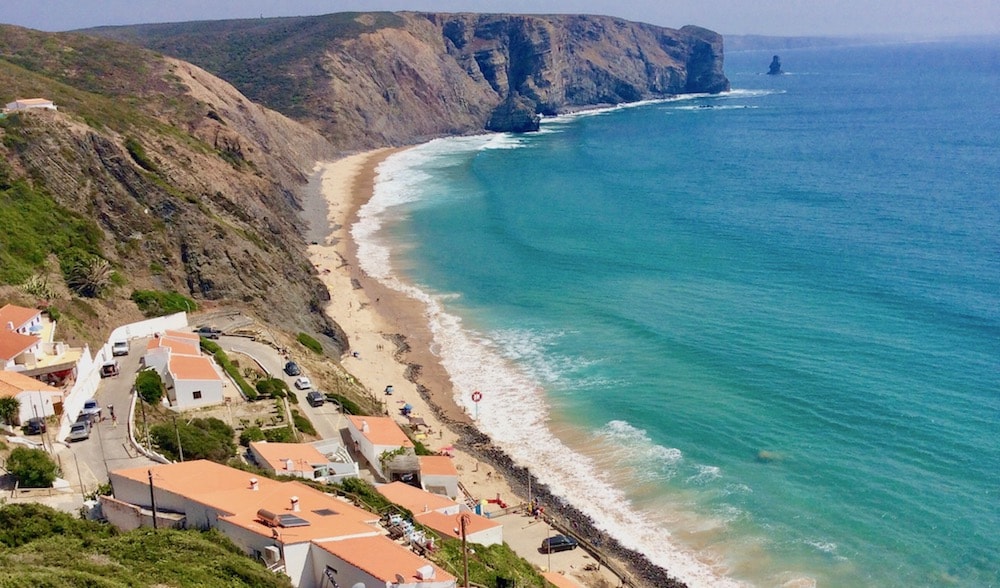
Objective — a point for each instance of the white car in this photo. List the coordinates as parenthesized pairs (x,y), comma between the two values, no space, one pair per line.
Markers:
(303,383)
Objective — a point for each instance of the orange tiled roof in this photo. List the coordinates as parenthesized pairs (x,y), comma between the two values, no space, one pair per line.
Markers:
(437,465)
(446,524)
(414,499)
(176,346)
(302,455)
(183,336)
(228,490)
(18,315)
(188,367)
(13,383)
(13,344)
(383,559)
(381,430)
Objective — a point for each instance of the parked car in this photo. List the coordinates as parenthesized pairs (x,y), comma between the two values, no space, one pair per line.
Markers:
(558,543)
(35,426)
(79,431)
(109,369)
(315,398)
(92,409)
(292,369)
(303,383)
(119,348)
(208,332)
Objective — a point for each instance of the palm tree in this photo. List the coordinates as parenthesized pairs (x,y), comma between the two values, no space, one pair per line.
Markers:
(90,277)
(9,409)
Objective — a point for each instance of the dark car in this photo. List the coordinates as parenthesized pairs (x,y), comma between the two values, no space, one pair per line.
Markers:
(292,369)
(558,543)
(315,398)
(35,426)
(208,332)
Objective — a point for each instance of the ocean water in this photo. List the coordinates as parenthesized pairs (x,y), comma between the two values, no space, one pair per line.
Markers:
(755,336)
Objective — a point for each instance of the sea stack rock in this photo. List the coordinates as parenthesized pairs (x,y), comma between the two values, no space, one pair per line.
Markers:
(775,69)
(516,114)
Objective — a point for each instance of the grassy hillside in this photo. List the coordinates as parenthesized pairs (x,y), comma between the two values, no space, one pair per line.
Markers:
(43,547)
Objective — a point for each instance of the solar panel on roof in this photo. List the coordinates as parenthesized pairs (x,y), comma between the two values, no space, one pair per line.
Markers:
(290,520)
(325,512)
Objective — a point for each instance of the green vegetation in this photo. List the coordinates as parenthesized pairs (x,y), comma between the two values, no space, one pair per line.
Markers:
(159,303)
(42,547)
(149,386)
(367,495)
(487,564)
(272,387)
(38,286)
(302,423)
(208,438)
(33,468)
(9,407)
(279,435)
(251,434)
(310,343)
(230,368)
(138,153)
(90,276)
(33,225)
(348,405)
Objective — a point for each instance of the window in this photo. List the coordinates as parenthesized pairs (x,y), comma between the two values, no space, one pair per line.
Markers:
(197,394)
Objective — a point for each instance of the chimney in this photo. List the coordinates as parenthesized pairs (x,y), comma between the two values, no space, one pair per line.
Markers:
(364,426)
(288,464)
(10,325)
(253,484)
(295,504)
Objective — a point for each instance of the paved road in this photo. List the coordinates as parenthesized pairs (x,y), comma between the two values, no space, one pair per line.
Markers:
(108,448)
(327,419)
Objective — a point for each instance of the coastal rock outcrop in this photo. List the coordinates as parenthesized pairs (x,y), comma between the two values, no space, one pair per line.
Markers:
(775,68)
(376,79)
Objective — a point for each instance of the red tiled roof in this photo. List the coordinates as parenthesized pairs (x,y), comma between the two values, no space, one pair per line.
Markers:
(13,383)
(383,559)
(437,465)
(446,524)
(18,315)
(188,367)
(414,499)
(13,344)
(381,430)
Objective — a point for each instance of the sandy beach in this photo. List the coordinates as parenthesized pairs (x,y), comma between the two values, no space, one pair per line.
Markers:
(390,346)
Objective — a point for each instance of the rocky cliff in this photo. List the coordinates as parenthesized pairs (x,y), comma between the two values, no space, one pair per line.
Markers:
(191,185)
(366,80)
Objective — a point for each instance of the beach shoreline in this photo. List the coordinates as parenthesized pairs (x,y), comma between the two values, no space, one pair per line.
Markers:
(390,334)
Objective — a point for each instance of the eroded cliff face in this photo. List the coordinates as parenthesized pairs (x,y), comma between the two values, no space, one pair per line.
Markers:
(368,80)
(191,183)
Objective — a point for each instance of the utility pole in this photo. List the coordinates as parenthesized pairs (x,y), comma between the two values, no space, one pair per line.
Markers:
(463,521)
(180,448)
(152,497)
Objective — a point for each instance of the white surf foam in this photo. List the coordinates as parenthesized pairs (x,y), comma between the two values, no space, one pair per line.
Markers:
(513,410)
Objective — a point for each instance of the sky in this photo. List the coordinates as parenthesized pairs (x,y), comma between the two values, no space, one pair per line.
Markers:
(907,18)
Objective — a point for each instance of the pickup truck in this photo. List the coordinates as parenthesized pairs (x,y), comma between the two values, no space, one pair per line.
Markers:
(208,332)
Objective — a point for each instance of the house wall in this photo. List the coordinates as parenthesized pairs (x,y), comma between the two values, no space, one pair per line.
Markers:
(88,378)
(183,393)
(35,403)
(487,537)
(448,483)
(148,328)
(345,573)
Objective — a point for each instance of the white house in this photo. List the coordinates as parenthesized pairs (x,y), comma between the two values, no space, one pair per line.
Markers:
(30,104)
(305,460)
(26,321)
(314,538)
(190,377)
(439,475)
(18,351)
(36,398)
(373,437)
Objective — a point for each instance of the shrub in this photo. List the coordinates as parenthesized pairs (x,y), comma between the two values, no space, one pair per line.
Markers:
(251,434)
(149,386)
(273,387)
(158,303)
(302,423)
(348,405)
(208,438)
(90,277)
(310,343)
(138,153)
(279,435)
(33,468)
(9,407)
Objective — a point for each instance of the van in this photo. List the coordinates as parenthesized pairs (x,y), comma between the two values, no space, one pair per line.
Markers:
(119,348)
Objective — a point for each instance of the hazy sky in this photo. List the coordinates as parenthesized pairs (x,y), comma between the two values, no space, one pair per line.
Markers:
(767,17)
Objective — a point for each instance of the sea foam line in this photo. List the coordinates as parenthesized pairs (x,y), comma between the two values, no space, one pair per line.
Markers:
(513,410)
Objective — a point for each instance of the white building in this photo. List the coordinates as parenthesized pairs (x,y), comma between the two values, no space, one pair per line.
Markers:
(442,513)
(30,104)
(375,437)
(325,461)
(36,398)
(439,475)
(316,539)
(191,378)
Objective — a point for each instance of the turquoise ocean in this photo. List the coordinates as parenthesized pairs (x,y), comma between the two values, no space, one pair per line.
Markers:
(755,336)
